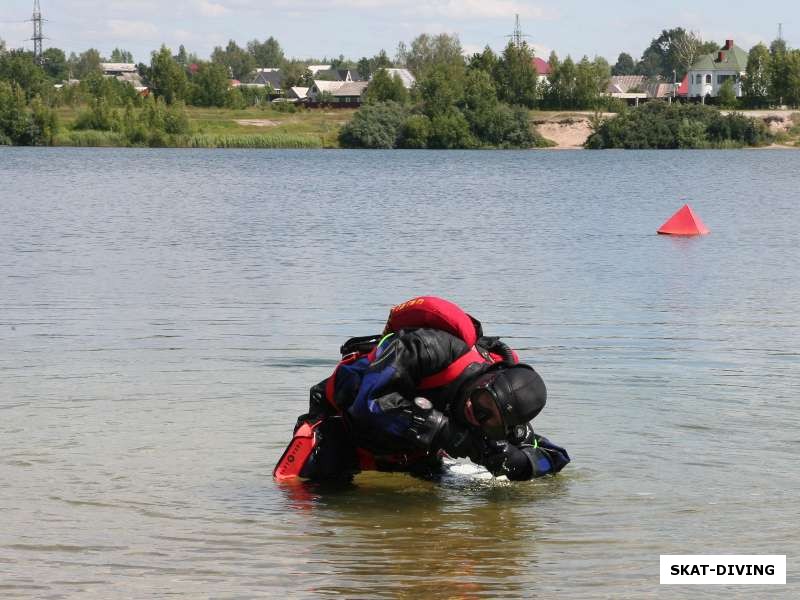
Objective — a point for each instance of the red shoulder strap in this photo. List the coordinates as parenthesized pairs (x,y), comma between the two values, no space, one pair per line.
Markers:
(451,373)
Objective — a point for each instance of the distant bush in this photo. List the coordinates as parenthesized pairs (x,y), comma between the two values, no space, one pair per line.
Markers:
(99,117)
(662,125)
(23,125)
(375,126)
(450,130)
(416,131)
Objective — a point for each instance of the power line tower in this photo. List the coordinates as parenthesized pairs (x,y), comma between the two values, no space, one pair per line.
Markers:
(517,37)
(37,32)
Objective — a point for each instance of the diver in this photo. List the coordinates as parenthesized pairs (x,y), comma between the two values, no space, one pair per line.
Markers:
(431,384)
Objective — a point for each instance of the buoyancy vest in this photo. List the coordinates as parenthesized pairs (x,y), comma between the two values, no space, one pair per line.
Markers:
(433,313)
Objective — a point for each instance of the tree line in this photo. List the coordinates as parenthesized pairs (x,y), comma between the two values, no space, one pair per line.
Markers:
(458,101)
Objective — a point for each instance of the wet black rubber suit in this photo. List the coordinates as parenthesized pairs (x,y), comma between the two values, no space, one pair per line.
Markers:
(381,413)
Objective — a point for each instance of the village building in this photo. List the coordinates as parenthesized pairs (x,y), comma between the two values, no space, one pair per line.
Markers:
(634,89)
(338,75)
(337,93)
(126,72)
(709,73)
(317,68)
(542,69)
(271,77)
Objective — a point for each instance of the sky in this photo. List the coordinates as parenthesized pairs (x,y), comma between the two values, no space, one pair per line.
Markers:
(356,28)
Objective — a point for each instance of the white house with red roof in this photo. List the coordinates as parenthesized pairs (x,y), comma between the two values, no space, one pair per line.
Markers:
(542,68)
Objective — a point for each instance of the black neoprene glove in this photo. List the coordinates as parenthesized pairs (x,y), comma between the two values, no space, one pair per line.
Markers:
(432,430)
(507,459)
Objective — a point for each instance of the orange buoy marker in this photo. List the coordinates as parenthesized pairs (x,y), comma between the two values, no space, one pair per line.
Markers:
(684,222)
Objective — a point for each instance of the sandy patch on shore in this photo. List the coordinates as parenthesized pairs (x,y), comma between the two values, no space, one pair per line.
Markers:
(257,122)
(569,133)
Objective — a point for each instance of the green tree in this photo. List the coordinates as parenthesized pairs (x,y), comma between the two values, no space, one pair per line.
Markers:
(182,57)
(561,91)
(793,78)
(268,53)
(591,79)
(381,61)
(516,76)
(450,130)
(756,81)
(480,106)
(428,52)
(375,126)
(673,50)
(18,67)
(384,88)
(87,62)
(55,64)
(98,116)
(625,65)
(13,116)
(483,61)
(167,77)
(293,72)
(416,131)
(239,61)
(366,67)
(440,91)
(43,124)
(779,71)
(122,56)
(210,85)
(727,95)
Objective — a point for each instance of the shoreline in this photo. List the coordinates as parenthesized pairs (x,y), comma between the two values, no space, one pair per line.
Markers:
(570,130)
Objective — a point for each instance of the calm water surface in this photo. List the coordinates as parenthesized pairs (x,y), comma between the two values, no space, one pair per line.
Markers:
(163,312)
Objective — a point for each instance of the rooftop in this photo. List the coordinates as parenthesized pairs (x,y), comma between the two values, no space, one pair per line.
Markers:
(728,58)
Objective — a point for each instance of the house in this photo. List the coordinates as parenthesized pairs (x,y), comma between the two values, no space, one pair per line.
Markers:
(710,72)
(267,78)
(405,76)
(638,88)
(338,75)
(339,93)
(630,88)
(117,69)
(317,68)
(297,94)
(542,68)
(126,72)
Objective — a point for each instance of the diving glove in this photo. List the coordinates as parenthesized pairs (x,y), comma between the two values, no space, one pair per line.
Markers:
(431,429)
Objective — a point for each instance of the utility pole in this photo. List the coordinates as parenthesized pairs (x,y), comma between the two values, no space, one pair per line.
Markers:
(517,32)
(37,32)
(517,37)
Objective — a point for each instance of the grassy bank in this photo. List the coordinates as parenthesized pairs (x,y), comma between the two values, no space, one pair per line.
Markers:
(227,128)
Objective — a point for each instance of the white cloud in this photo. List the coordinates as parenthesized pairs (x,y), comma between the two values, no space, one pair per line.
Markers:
(212,9)
(133,5)
(131,30)
(451,9)
(484,9)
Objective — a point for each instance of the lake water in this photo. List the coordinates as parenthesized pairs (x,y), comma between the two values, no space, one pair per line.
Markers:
(163,313)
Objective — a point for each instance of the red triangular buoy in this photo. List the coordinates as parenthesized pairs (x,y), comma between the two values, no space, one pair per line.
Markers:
(684,222)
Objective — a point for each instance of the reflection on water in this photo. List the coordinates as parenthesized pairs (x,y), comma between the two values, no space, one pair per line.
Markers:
(159,332)
(463,537)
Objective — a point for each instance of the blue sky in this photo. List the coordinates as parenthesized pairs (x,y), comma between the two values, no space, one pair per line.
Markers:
(358,28)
